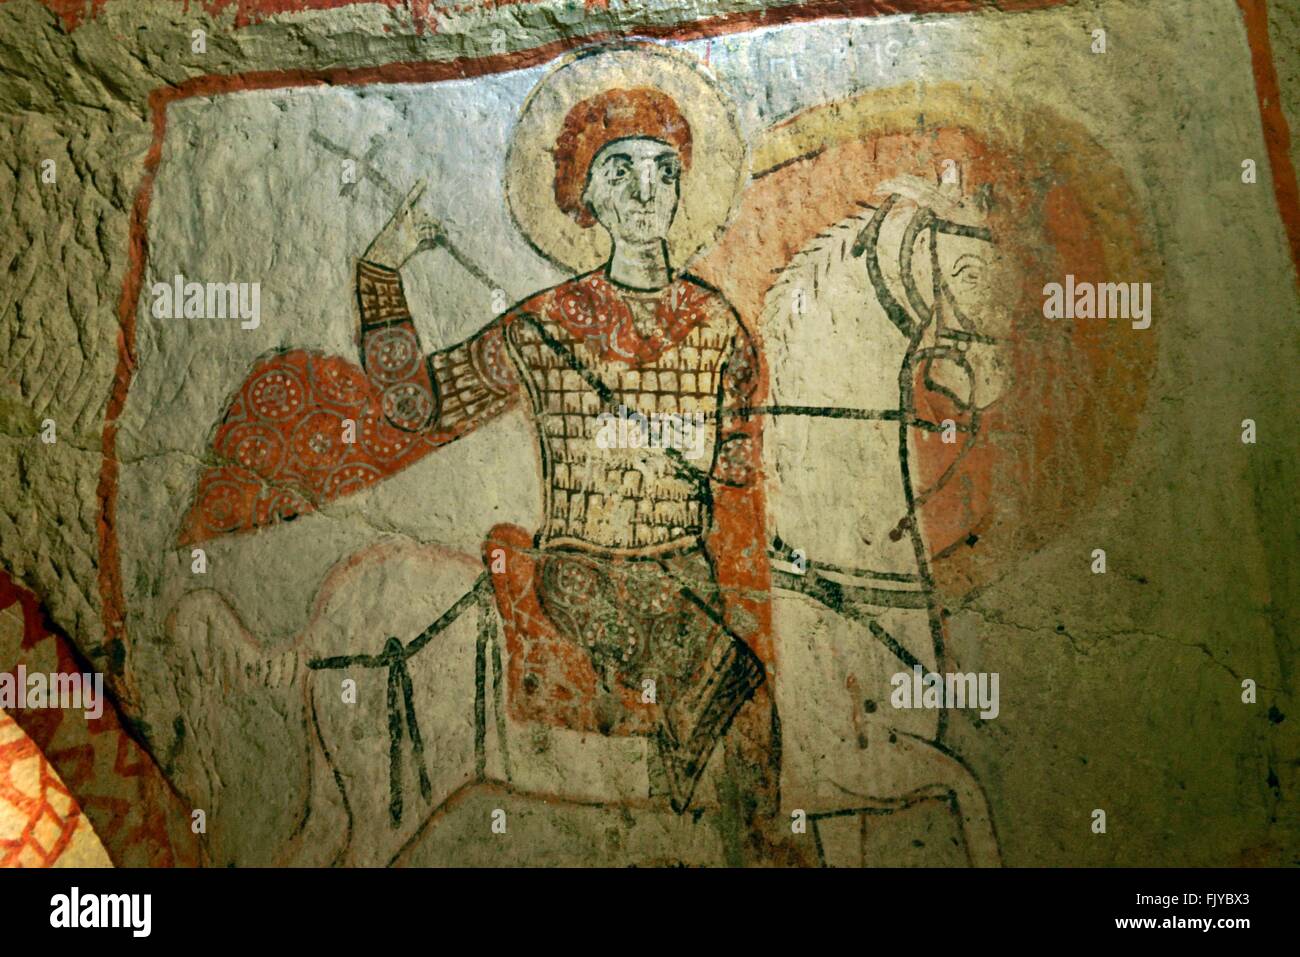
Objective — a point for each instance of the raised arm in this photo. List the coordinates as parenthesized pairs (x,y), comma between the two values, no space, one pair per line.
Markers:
(444,394)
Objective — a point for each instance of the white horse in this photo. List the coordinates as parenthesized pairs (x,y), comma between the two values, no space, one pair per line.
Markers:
(854,603)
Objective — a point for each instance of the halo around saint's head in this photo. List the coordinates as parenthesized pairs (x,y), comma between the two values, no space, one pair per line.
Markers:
(711,182)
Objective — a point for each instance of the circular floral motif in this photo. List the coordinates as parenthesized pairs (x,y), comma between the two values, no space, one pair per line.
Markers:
(317,442)
(392,354)
(338,382)
(408,406)
(572,581)
(493,363)
(256,447)
(379,440)
(276,394)
(223,505)
(586,306)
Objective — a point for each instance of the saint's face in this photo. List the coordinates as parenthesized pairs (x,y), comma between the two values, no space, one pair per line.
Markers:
(632,189)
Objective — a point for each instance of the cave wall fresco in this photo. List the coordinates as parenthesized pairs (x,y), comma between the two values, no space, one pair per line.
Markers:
(83,577)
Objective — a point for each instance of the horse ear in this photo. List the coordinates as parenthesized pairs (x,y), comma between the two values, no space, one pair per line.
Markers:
(866,246)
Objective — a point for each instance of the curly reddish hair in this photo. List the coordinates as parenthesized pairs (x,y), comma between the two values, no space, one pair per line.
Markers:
(599,120)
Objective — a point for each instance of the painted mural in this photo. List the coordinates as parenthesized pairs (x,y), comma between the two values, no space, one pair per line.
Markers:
(581,455)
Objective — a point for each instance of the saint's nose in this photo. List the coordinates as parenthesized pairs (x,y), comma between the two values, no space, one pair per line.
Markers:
(643,190)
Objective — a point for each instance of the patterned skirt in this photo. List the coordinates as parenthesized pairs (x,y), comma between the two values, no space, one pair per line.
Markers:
(655,624)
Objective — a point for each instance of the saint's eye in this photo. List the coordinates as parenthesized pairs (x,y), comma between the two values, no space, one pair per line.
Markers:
(668,171)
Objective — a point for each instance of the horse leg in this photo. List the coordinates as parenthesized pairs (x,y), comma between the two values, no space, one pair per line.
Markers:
(952,779)
(325,832)
(388,787)
(230,729)
(839,839)
(394,655)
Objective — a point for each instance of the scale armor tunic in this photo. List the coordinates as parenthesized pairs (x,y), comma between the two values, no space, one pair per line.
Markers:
(623,571)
